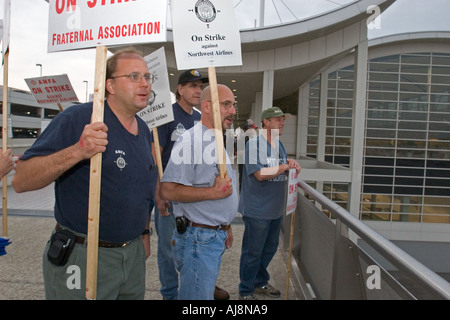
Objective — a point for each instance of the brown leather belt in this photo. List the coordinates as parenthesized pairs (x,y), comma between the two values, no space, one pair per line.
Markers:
(199,225)
(103,244)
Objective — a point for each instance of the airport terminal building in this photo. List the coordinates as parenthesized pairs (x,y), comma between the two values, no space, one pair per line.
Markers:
(370,119)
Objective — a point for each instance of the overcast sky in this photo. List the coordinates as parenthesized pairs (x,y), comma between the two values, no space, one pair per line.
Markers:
(29,32)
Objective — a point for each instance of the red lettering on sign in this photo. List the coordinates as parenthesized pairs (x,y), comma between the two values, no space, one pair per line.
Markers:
(60,4)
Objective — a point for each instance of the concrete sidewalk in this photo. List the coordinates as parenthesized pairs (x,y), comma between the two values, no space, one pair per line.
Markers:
(30,223)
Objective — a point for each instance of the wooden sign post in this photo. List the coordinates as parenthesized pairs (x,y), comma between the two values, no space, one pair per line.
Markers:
(5,141)
(291,205)
(95,178)
(217,121)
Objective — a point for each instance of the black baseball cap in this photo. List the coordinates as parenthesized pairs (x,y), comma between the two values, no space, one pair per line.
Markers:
(190,76)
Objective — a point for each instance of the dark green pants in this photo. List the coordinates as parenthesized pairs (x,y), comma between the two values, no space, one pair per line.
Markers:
(120,273)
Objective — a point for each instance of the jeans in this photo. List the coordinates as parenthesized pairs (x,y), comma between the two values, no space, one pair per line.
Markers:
(198,256)
(259,245)
(168,275)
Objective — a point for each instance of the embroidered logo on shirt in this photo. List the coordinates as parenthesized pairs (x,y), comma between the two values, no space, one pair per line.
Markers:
(120,162)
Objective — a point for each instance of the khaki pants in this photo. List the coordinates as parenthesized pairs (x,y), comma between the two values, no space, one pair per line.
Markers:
(120,273)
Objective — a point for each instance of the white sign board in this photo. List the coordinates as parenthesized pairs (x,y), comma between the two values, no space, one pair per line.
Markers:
(205,34)
(291,203)
(159,109)
(52,89)
(76,24)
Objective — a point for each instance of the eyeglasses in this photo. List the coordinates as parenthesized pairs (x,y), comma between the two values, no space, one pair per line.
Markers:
(226,104)
(137,77)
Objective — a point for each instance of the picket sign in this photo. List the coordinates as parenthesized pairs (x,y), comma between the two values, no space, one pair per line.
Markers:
(291,205)
(205,34)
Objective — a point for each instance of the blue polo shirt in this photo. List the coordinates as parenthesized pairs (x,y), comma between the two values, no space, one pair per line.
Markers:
(128,175)
(169,132)
(263,199)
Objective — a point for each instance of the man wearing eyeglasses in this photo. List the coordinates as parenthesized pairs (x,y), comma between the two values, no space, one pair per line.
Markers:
(207,202)
(189,87)
(62,153)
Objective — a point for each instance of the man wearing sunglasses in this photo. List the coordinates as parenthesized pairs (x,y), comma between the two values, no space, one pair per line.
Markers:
(62,153)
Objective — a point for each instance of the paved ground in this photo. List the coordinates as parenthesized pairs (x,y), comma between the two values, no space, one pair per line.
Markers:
(30,222)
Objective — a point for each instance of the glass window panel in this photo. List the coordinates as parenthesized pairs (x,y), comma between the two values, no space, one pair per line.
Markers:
(382,76)
(438,126)
(379,143)
(416,116)
(343,132)
(432,218)
(411,144)
(401,134)
(383,86)
(376,216)
(381,124)
(411,68)
(410,163)
(343,122)
(412,125)
(440,145)
(419,96)
(437,201)
(438,154)
(389,115)
(413,153)
(409,172)
(380,95)
(377,152)
(345,75)
(345,94)
(415,59)
(392,59)
(348,104)
(384,67)
(440,117)
(377,105)
(413,106)
(345,84)
(367,188)
(440,60)
(414,78)
(385,171)
(441,70)
(408,181)
(443,89)
(407,87)
(406,217)
(408,190)
(441,79)
(444,192)
(408,199)
(437,182)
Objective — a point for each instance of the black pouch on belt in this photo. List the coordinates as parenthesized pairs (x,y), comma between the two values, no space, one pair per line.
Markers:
(181,224)
(61,245)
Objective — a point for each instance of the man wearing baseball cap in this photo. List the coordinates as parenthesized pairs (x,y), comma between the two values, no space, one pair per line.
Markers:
(262,202)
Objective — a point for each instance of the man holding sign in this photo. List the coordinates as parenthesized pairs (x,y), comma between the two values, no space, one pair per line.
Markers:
(262,203)
(61,154)
(189,88)
(207,202)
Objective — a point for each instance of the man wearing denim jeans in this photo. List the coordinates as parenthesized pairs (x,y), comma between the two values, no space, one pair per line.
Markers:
(207,202)
(262,204)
